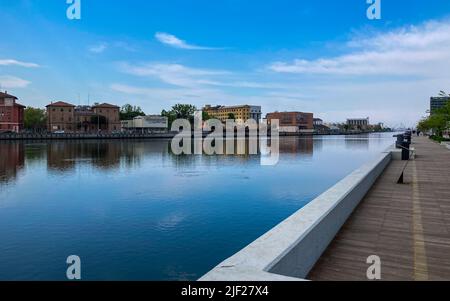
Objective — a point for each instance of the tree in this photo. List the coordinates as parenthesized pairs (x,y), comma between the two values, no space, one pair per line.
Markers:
(206,116)
(100,121)
(35,119)
(128,112)
(437,122)
(231,116)
(184,111)
(443,94)
(180,111)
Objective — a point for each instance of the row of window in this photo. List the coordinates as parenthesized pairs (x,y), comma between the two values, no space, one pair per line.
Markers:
(100,111)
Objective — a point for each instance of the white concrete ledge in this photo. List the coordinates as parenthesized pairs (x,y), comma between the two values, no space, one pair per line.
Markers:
(290,250)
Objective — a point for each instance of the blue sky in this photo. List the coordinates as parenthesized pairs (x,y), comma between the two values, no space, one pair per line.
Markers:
(324,56)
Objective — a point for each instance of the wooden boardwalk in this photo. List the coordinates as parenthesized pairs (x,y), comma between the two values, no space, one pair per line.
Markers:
(407,226)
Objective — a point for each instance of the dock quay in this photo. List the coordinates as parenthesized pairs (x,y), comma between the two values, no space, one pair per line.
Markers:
(407,226)
(364,215)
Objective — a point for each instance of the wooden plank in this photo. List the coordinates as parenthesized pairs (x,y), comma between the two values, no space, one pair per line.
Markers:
(407,226)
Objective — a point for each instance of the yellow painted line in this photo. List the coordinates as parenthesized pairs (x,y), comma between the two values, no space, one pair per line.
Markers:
(420,256)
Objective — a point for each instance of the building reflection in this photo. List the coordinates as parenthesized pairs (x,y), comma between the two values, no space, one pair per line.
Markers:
(12,161)
(66,156)
(104,155)
(357,142)
(297,145)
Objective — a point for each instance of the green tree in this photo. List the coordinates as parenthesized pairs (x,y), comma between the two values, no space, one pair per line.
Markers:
(35,119)
(184,111)
(180,111)
(231,116)
(128,112)
(438,122)
(206,116)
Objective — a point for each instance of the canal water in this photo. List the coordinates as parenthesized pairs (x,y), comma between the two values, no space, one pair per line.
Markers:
(131,210)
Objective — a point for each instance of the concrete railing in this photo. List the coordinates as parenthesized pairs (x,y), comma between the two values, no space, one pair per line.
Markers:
(290,250)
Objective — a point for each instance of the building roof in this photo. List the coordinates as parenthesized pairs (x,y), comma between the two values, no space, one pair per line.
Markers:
(19,105)
(105,105)
(60,104)
(219,107)
(295,112)
(6,95)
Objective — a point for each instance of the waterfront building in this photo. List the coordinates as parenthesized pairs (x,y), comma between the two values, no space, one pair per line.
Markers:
(60,117)
(293,122)
(146,124)
(358,123)
(437,103)
(317,121)
(110,114)
(63,116)
(241,112)
(84,117)
(11,113)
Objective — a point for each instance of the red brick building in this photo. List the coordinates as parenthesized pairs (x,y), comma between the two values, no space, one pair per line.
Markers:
(11,113)
(293,122)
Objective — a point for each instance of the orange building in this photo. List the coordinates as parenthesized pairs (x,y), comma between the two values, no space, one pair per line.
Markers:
(62,116)
(110,114)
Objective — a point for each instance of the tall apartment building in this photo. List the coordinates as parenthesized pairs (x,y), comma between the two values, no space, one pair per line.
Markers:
(11,113)
(437,103)
(242,112)
(293,122)
(62,116)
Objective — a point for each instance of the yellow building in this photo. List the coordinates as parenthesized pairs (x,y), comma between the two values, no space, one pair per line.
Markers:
(244,112)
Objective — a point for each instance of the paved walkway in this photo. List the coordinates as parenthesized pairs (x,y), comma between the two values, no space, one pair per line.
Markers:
(407,226)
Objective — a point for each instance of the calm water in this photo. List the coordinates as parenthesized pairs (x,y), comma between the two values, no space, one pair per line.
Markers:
(133,211)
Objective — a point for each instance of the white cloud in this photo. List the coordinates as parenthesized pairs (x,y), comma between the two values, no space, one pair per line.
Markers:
(99,48)
(413,51)
(10,62)
(175,74)
(11,82)
(173,41)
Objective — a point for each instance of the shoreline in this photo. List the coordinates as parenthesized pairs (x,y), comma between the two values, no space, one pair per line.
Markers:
(170,135)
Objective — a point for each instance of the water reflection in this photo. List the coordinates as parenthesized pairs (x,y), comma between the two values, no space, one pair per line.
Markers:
(132,209)
(65,156)
(12,160)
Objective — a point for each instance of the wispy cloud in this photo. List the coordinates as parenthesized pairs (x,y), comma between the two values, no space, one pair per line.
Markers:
(11,82)
(11,62)
(173,41)
(98,48)
(175,74)
(412,51)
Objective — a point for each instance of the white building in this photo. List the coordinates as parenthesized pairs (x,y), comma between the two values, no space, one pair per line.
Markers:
(146,124)
(361,123)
